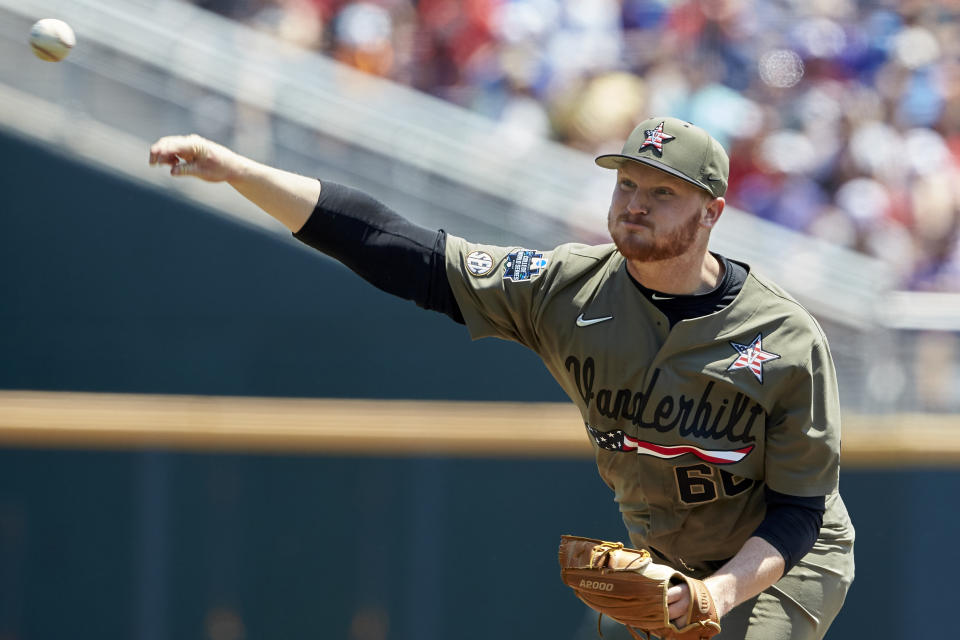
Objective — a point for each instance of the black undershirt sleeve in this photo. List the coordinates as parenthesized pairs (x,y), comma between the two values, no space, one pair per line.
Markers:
(792,524)
(382,247)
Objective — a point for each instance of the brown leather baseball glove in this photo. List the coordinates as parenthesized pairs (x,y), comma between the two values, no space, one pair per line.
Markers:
(626,585)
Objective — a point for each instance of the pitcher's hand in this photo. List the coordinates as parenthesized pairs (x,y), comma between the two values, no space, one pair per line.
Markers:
(195,156)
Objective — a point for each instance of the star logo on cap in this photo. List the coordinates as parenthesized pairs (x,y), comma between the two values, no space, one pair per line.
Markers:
(656,138)
(752,356)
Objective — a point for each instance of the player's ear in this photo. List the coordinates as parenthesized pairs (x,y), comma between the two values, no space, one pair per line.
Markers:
(712,210)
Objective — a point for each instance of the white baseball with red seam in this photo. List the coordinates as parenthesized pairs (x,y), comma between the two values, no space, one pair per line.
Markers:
(51,39)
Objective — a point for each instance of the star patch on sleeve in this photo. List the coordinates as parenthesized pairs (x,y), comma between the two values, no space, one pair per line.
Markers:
(752,356)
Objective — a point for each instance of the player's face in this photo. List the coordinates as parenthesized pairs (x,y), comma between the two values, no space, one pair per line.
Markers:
(654,216)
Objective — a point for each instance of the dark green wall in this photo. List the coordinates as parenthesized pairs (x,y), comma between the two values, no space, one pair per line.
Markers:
(145,545)
(106,285)
(109,286)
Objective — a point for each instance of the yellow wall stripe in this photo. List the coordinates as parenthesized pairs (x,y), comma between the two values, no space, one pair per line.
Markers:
(386,427)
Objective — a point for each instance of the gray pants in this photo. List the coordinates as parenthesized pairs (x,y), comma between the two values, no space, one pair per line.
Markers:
(773,615)
(765,617)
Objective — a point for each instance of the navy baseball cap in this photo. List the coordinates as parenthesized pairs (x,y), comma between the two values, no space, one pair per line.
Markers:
(679,148)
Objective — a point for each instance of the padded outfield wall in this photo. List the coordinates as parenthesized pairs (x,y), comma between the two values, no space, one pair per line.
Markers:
(108,286)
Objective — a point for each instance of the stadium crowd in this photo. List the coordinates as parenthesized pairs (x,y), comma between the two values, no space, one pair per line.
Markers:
(842,117)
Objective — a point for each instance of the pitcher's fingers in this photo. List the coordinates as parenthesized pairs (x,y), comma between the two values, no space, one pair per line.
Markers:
(163,158)
(171,149)
(674,593)
(164,155)
(675,612)
(677,601)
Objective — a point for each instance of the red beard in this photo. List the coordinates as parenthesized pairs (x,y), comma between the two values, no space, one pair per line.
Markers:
(642,248)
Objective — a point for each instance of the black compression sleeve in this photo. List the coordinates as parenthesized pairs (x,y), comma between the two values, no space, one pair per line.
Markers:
(382,247)
(792,524)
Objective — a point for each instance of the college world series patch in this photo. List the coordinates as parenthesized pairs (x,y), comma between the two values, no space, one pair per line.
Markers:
(479,263)
(524,265)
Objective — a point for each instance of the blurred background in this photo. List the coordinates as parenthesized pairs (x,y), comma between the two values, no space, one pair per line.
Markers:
(121,285)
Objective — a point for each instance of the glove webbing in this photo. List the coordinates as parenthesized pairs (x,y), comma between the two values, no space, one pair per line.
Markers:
(599,554)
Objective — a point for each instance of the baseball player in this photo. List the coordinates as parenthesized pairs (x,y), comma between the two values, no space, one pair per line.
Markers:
(708,394)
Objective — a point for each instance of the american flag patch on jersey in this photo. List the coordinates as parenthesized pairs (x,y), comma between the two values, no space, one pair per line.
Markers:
(752,357)
(617,440)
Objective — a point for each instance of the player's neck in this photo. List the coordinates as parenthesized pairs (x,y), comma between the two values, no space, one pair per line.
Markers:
(682,275)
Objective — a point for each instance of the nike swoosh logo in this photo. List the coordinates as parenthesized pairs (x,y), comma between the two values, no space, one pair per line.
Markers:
(654,296)
(586,323)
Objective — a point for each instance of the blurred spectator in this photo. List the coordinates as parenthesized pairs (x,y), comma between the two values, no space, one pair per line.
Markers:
(842,116)
(294,20)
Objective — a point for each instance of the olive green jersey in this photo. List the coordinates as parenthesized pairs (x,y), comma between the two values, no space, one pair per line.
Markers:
(688,423)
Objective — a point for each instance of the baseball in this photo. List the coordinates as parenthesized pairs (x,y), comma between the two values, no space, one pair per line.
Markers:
(51,39)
